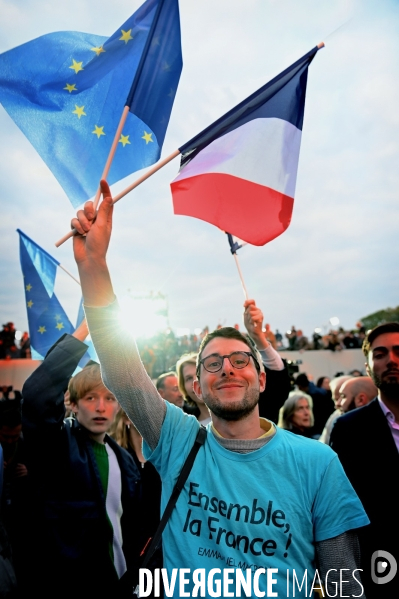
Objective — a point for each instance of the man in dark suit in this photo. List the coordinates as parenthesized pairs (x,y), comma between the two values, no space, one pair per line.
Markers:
(367,443)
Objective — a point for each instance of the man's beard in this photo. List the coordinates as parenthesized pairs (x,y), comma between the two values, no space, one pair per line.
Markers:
(388,388)
(233,410)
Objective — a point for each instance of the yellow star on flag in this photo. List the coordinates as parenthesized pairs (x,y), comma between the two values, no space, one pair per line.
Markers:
(57,317)
(99,131)
(98,51)
(147,137)
(70,87)
(59,326)
(76,66)
(79,110)
(42,330)
(126,36)
(28,287)
(166,66)
(30,304)
(124,140)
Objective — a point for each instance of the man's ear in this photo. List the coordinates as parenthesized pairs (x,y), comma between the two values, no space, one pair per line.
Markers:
(197,388)
(367,367)
(360,400)
(74,407)
(262,381)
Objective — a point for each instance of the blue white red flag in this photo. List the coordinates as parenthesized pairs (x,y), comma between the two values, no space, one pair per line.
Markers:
(240,173)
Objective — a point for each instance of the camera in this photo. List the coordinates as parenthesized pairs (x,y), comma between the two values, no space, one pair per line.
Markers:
(293,368)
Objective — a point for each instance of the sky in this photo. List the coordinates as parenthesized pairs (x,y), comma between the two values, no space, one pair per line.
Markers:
(337,257)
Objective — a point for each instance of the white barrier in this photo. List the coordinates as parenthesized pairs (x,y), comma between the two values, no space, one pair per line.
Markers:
(323,362)
(314,363)
(15,372)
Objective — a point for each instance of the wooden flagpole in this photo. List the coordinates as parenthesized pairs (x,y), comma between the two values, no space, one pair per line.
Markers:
(124,116)
(234,246)
(111,153)
(70,274)
(241,277)
(120,195)
(146,175)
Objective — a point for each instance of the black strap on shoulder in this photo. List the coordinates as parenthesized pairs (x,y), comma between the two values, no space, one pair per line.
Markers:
(185,471)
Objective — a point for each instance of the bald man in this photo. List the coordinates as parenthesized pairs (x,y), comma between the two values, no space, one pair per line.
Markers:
(168,388)
(356,392)
(335,386)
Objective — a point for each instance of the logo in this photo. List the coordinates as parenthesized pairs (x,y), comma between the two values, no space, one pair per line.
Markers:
(383,567)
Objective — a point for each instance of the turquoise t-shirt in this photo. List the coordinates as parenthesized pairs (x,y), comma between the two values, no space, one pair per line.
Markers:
(263,509)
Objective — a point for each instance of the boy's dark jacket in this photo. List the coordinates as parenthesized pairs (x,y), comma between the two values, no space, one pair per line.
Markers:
(73,535)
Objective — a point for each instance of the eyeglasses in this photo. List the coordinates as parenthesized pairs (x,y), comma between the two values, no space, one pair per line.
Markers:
(238,359)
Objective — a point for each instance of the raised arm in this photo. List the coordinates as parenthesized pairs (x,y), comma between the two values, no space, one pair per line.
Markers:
(278,383)
(122,370)
(43,392)
(90,250)
(253,320)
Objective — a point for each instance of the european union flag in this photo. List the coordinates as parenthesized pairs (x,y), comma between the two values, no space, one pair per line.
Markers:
(42,261)
(66,92)
(46,317)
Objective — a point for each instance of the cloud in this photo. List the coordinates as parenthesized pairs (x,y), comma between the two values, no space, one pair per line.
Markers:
(338,257)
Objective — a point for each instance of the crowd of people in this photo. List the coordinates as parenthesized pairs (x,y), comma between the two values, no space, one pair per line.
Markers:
(334,340)
(309,411)
(286,479)
(9,346)
(161,351)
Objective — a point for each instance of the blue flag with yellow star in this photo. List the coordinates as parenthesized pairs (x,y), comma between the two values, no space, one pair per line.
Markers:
(46,317)
(44,263)
(66,92)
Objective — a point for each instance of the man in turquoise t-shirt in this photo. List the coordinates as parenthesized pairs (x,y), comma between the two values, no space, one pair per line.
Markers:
(265,505)
(258,499)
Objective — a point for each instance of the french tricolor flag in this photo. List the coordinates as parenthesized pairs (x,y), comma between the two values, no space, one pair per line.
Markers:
(240,172)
